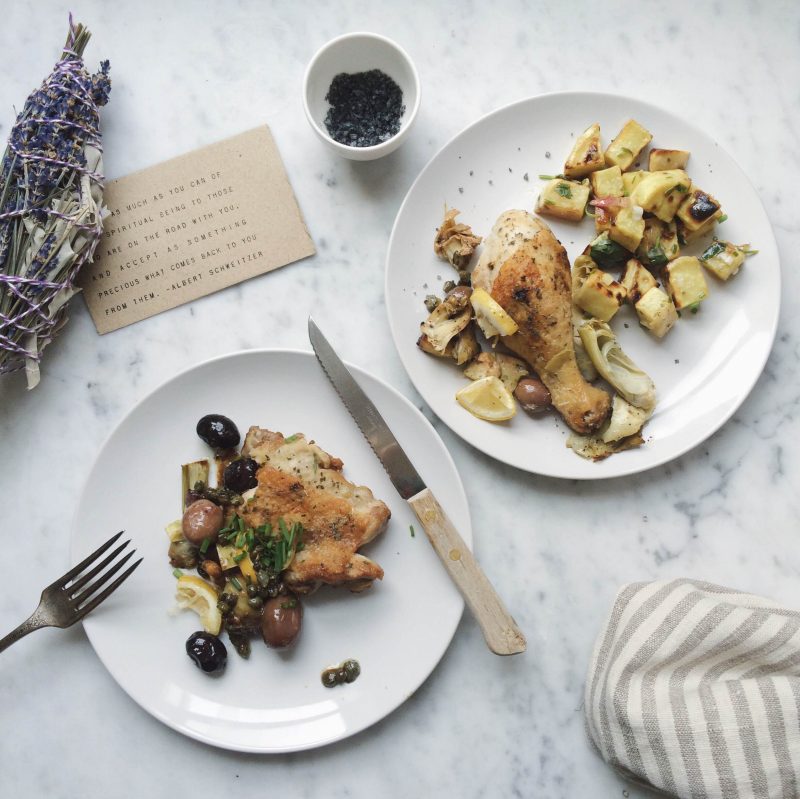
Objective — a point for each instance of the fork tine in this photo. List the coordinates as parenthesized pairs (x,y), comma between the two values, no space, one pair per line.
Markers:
(74,572)
(78,599)
(78,584)
(108,591)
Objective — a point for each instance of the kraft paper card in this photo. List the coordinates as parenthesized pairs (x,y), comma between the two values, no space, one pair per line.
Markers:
(191,226)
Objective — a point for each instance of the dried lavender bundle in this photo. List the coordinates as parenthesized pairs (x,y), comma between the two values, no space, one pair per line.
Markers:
(51,204)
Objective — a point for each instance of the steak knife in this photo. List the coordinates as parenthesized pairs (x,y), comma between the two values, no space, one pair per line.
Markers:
(499,629)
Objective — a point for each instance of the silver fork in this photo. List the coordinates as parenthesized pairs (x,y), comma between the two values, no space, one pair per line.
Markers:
(70,598)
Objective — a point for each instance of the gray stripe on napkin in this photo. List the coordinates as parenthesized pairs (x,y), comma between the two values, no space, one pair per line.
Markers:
(641,615)
(731,735)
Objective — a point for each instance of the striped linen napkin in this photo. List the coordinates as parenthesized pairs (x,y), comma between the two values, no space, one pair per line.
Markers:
(694,690)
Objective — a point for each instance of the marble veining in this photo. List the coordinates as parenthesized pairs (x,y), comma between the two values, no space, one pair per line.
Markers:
(187,74)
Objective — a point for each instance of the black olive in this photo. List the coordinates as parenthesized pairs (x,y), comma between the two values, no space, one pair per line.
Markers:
(207,652)
(218,431)
(240,475)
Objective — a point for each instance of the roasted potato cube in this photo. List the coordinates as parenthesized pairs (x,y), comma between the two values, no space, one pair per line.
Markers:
(630,142)
(563,199)
(637,281)
(687,236)
(724,259)
(600,295)
(659,243)
(630,180)
(656,312)
(667,159)
(697,209)
(607,182)
(627,228)
(661,193)
(685,282)
(586,156)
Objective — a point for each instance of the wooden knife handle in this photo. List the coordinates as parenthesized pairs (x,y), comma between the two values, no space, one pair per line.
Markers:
(499,628)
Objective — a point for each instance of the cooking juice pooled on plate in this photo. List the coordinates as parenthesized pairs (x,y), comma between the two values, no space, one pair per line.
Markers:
(366,108)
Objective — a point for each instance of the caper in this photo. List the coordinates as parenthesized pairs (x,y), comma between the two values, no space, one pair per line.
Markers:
(252,590)
(330,678)
(256,602)
(240,641)
(263,578)
(432,302)
(351,669)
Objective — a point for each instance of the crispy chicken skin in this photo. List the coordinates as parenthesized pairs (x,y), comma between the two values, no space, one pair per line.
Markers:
(302,483)
(526,270)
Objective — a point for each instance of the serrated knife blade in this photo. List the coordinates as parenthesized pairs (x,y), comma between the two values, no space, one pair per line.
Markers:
(499,629)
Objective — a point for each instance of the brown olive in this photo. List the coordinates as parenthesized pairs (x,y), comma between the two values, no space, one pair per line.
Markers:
(201,520)
(280,622)
(532,394)
(460,291)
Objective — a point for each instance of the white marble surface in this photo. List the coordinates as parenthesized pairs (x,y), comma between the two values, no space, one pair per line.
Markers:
(190,73)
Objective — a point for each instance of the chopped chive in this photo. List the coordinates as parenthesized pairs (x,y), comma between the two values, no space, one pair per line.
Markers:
(291,438)
(205,545)
(722,219)
(411,530)
(547,177)
(239,557)
(177,573)
(236,584)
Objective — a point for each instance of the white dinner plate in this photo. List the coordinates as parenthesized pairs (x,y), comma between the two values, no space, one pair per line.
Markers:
(275,701)
(703,369)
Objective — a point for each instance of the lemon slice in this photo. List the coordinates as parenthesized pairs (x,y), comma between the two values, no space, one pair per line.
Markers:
(197,595)
(490,316)
(488,399)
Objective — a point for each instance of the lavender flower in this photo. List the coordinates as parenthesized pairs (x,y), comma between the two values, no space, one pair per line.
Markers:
(51,211)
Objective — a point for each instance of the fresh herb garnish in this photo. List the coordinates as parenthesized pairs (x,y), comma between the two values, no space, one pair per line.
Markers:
(679,187)
(656,257)
(271,550)
(291,438)
(564,190)
(205,545)
(715,248)
(606,253)
(722,219)
(177,573)
(411,530)
(236,584)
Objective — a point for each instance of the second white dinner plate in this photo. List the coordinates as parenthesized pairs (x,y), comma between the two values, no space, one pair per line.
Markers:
(274,702)
(703,369)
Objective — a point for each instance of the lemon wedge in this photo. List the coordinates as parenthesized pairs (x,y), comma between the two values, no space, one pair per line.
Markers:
(197,595)
(490,316)
(488,399)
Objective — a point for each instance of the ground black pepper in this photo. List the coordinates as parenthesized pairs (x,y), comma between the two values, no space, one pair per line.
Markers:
(366,108)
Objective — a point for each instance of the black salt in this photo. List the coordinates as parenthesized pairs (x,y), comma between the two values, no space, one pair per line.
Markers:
(366,108)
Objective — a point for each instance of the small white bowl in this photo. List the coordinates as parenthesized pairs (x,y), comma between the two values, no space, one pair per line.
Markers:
(359,52)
